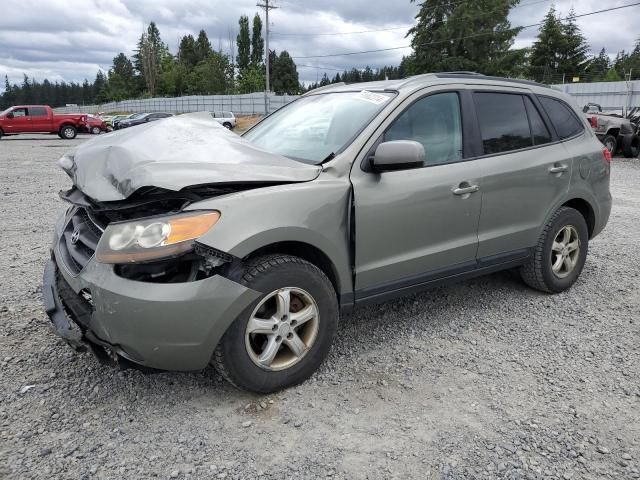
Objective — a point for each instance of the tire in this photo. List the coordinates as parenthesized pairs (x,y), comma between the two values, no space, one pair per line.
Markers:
(96,130)
(631,146)
(539,272)
(227,125)
(0,134)
(238,354)
(109,128)
(611,143)
(68,132)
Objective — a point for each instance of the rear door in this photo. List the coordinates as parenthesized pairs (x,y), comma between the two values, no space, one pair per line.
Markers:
(40,121)
(525,172)
(20,123)
(413,226)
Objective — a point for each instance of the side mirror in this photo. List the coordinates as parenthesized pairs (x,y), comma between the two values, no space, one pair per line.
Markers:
(10,115)
(398,155)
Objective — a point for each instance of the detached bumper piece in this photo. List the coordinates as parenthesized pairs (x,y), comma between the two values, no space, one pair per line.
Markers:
(64,327)
(70,315)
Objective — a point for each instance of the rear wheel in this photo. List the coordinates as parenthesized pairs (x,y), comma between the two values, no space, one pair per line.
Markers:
(631,146)
(96,130)
(283,337)
(227,125)
(610,142)
(68,132)
(561,253)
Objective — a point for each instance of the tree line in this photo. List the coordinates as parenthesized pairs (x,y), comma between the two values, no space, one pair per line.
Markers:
(449,35)
(153,70)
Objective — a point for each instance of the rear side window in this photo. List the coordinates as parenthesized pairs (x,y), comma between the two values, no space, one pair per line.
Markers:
(503,122)
(37,112)
(435,122)
(539,130)
(562,116)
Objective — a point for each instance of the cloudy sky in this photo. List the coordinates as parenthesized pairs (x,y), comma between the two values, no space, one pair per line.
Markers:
(71,40)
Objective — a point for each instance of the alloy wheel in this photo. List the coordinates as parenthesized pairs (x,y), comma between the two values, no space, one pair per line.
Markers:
(282,328)
(565,251)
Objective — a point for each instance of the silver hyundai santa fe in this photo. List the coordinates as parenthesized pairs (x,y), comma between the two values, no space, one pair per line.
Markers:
(186,245)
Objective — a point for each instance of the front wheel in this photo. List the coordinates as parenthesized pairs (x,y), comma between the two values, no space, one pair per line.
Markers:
(227,125)
(68,132)
(560,254)
(283,337)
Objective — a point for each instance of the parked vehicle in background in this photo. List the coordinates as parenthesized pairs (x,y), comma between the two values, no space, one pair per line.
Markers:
(143,118)
(120,118)
(40,119)
(186,246)
(95,125)
(616,132)
(226,119)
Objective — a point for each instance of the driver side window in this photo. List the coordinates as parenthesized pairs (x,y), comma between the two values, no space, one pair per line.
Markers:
(436,123)
(19,112)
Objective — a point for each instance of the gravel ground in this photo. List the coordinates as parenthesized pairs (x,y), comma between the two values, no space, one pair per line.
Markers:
(485,379)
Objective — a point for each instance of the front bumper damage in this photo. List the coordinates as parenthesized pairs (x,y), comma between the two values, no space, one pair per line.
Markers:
(165,326)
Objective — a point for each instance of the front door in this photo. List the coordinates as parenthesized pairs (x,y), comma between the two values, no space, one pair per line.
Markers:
(416,225)
(20,123)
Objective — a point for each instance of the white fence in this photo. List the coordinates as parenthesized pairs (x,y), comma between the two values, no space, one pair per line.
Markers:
(621,96)
(249,104)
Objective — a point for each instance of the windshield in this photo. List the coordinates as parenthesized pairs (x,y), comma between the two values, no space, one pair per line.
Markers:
(4,112)
(136,115)
(314,127)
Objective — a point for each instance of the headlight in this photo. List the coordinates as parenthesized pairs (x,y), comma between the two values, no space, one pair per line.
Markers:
(153,238)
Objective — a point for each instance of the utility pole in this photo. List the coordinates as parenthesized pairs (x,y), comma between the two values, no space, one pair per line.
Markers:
(266,8)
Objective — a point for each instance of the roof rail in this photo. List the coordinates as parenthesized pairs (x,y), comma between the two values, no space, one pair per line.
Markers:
(489,77)
(461,72)
(325,87)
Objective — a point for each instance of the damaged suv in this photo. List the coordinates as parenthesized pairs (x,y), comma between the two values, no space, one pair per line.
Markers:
(186,245)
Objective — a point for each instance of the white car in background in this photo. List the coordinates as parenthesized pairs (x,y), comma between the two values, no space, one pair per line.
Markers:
(226,119)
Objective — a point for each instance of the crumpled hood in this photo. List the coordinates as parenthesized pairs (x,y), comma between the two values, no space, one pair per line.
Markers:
(174,153)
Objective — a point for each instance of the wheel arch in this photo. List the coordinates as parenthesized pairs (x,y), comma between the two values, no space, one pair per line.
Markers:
(306,251)
(585,209)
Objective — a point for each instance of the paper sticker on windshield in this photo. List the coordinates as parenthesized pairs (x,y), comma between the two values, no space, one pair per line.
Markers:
(376,98)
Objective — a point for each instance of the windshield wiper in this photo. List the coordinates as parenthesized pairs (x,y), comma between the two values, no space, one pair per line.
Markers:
(329,157)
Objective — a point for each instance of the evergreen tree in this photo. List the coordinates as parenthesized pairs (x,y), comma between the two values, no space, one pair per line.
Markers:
(472,35)
(257,42)
(187,54)
(149,57)
(284,75)
(546,52)
(243,43)
(203,46)
(574,48)
(598,67)
(121,78)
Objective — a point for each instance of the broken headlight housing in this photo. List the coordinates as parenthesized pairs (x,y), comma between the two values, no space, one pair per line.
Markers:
(153,238)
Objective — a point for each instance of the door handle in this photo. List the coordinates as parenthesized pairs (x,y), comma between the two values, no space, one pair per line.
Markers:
(559,168)
(464,189)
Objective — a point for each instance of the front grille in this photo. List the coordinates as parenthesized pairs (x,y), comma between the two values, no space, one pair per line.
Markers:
(79,240)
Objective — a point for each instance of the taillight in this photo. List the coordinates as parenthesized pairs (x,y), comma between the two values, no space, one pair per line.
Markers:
(607,154)
(594,122)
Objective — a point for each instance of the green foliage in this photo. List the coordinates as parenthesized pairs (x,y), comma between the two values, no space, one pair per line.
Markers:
(187,55)
(122,82)
(213,75)
(251,79)
(473,35)
(283,73)
(560,50)
(243,42)
(257,42)
(627,65)
(612,76)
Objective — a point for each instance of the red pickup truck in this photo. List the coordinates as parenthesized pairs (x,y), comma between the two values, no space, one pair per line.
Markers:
(40,119)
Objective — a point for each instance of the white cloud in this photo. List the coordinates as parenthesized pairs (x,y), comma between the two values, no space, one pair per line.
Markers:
(70,40)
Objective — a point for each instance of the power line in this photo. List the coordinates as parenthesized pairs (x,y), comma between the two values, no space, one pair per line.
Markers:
(468,36)
(403,27)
